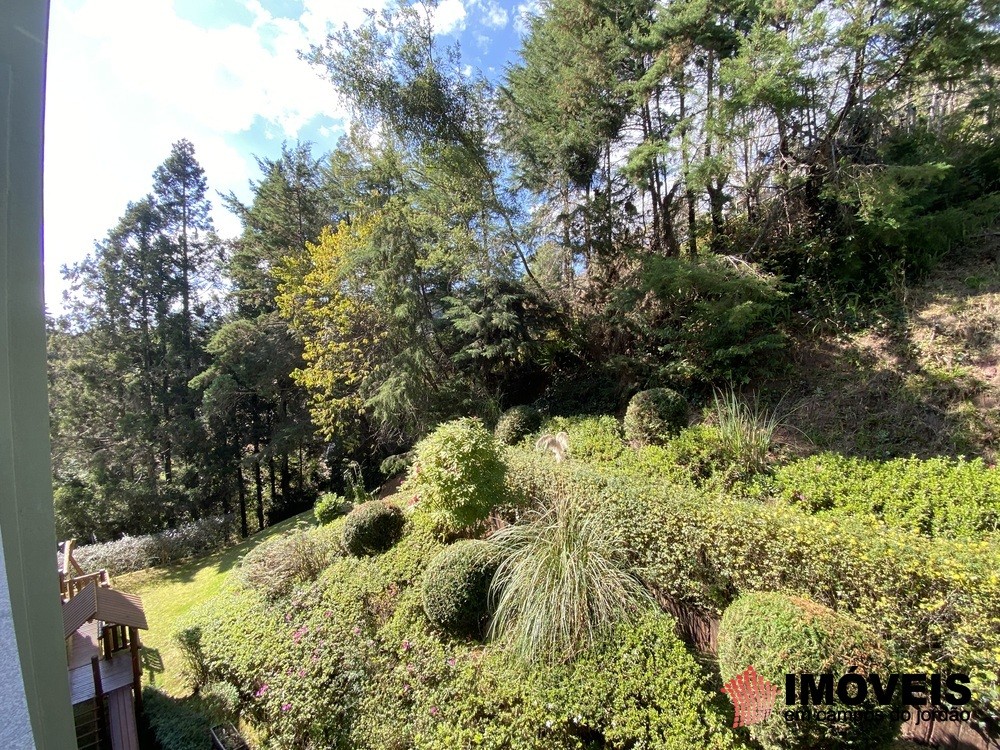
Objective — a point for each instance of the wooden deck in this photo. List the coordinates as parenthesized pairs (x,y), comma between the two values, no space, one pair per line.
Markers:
(121,720)
(115,673)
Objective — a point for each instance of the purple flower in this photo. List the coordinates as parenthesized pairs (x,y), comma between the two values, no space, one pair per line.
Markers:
(286,706)
(261,690)
(434,710)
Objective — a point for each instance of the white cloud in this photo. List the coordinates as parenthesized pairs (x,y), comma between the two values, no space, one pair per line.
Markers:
(447,18)
(493,15)
(524,13)
(126,79)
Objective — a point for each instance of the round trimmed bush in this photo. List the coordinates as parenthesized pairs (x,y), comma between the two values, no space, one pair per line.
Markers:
(778,635)
(517,423)
(372,527)
(329,506)
(655,414)
(458,475)
(456,587)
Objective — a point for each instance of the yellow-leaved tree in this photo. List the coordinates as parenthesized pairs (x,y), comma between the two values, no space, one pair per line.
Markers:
(323,296)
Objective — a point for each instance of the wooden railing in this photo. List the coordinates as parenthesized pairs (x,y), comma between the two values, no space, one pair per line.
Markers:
(71,586)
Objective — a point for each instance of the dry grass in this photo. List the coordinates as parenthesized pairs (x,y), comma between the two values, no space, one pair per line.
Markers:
(929,385)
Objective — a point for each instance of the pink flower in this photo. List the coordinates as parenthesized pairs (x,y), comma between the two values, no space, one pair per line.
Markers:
(286,706)
(328,613)
(302,673)
(407,645)
(297,635)
(434,710)
(451,662)
(261,690)
(356,630)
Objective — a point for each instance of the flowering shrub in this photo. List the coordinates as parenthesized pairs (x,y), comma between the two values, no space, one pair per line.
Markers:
(137,552)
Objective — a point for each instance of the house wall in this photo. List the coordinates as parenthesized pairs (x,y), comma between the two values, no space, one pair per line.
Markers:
(34,690)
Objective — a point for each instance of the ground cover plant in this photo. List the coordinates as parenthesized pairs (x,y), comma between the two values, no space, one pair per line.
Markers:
(352,660)
(936,497)
(932,601)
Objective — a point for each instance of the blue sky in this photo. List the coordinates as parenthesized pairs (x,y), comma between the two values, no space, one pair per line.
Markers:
(127,78)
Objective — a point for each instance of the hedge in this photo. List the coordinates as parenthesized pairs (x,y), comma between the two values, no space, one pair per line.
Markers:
(132,553)
(936,497)
(935,603)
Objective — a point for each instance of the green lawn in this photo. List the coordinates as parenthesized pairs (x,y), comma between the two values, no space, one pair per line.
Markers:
(169,592)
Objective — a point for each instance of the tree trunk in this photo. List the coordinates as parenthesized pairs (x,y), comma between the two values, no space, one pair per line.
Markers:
(258,486)
(241,492)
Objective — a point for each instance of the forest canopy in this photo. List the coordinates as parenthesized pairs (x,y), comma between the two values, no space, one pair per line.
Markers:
(651,195)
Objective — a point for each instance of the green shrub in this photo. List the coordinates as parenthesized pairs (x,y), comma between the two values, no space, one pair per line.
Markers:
(653,415)
(935,497)
(590,438)
(456,588)
(713,320)
(638,687)
(372,527)
(458,475)
(194,668)
(329,506)
(934,602)
(517,423)
(778,635)
(221,701)
(177,723)
(396,465)
(562,582)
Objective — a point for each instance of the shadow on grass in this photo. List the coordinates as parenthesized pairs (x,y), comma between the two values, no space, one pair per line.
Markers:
(225,560)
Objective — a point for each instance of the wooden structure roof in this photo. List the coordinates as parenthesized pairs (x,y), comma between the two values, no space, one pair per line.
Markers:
(108,605)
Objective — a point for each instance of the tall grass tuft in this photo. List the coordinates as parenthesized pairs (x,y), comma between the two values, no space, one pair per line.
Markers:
(746,432)
(562,582)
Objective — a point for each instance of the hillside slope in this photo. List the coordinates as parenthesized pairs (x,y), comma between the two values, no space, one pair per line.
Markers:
(926,383)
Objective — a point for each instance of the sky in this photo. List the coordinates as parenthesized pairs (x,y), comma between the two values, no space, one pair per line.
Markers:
(128,78)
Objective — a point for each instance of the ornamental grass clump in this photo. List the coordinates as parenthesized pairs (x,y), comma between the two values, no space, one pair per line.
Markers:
(746,433)
(562,582)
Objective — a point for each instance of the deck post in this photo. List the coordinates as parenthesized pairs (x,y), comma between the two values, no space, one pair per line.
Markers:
(102,724)
(133,638)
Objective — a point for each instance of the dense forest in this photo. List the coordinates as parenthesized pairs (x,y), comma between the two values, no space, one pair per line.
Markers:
(654,194)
